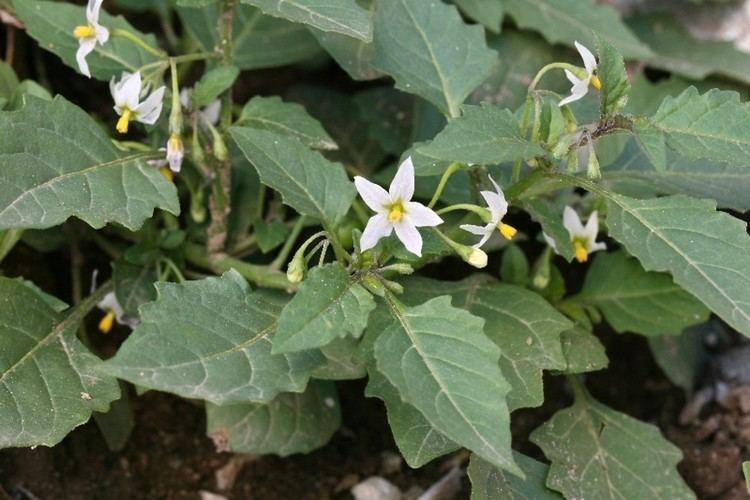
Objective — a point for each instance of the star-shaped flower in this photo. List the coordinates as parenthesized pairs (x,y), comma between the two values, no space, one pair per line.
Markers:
(395,210)
(127,95)
(583,238)
(114,313)
(498,207)
(89,34)
(582,80)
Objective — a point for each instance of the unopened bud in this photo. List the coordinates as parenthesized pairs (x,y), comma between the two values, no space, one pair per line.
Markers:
(592,167)
(296,270)
(400,268)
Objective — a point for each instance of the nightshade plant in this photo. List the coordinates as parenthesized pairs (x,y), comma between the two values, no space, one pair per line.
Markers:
(258,260)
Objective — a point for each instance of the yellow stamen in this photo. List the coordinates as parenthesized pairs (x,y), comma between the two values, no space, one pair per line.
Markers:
(124,121)
(167,173)
(175,143)
(106,323)
(507,231)
(396,212)
(596,83)
(84,32)
(582,255)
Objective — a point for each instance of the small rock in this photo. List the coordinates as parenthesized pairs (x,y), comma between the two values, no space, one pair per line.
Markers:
(227,475)
(376,488)
(390,463)
(448,487)
(207,495)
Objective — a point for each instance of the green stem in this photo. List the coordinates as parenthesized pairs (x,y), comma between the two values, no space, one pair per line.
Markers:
(579,390)
(138,41)
(515,190)
(338,249)
(582,182)
(259,275)
(359,210)
(278,262)
(545,69)
(174,269)
(453,167)
(482,212)
(198,56)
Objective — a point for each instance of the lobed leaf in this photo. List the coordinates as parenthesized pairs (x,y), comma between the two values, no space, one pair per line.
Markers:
(490,483)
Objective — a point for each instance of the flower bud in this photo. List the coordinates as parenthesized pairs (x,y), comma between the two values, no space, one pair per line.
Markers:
(297,268)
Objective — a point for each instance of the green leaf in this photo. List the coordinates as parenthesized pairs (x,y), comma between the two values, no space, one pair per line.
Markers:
(441,363)
(514,268)
(134,284)
(51,24)
(583,351)
(285,118)
(49,382)
(549,216)
(427,48)
(682,358)
(417,440)
(389,114)
(597,452)
(566,21)
(614,78)
(634,300)
(713,126)
(707,252)
(8,81)
(291,423)
(482,134)
(328,305)
(270,235)
(340,16)
(211,339)
(488,13)
(258,41)
(342,361)
(212,84)
(522,324)
(490,483)
(307,181)
(57,162)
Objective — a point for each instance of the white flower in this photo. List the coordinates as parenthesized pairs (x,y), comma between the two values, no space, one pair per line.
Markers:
(89,34)
(210,113)
(498,208)
(127,95)
(395,210)
(583,238)
(175,152)
(114,313)
(581,85)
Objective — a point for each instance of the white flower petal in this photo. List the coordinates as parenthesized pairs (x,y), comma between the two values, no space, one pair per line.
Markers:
(420,215)
(85,47)
(373,195)
(150,109)
(474,229)
(102,34)
(572,78)
(211,112)
(572,222)
(589,61)
(578,90)
(127,92)
(377,227)
(409,236)
(402,185)
(496,203)
(92,11)
(110,303)
(592,226)
(594,246)
(185,97)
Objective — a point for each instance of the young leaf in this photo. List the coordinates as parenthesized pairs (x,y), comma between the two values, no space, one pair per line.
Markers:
(49,382)
(490,483)
(488,13)
(634,300)
(211,339)
(134,284)
(707,252)
(340,16)
(597,452)
(566,21)
(417,440)
(441,363)
(213,83)
(51,24)
(307,181)
(285,118)
(329,304)
(682,358)
(583,351)
(291,423)
(482,134)
(713,126)
(430,51)
(57,162)
(615,84)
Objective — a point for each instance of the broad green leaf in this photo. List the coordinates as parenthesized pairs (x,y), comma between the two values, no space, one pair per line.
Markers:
(259,41)
(8,81)
(329,304)
(611,72)
(211,339)
(24,90)
(566,21)
(195,3)
(212,84)
(57,162)
(522,324)
(514,268)
(441,362)
(634,175)
(707,252)
(482,134)
(490,483)
(712,126)
(134,284)
(389,114)
(291,423)
(583,351)
(417,440)
(270,235)
(51,24)
(682,358)
(597,452)
(487,12)
(549,216)
(678,52)
(634,300)
(428,49)
(340,16)
(49,382)
(246,198)
(285,118)
(53,302)
(307,181)
(342,361)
